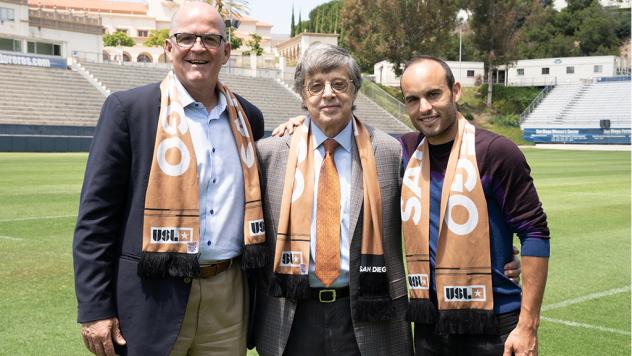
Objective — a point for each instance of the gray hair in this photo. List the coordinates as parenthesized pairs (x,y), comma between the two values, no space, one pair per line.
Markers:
(320,57)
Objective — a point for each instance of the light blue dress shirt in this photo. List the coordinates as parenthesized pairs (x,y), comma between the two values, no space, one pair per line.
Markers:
(342,158)
(220,178)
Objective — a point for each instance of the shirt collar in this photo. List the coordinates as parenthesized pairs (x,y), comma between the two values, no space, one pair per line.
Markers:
(186,99)
(343,137)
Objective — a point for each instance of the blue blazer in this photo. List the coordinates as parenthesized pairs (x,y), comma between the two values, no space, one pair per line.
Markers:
(108,235)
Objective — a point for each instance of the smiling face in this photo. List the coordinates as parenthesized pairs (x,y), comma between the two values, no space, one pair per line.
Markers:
(331,111)
(197,68)
(430,103)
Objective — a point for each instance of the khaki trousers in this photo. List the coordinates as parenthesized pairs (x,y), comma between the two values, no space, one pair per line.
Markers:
(216,318)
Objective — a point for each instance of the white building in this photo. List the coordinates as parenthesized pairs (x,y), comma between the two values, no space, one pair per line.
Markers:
(468,73)
(622,4)
(137,20)
(564,70)
(42,32)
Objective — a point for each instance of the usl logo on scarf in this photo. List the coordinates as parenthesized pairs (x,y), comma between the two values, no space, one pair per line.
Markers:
(474,293)
(418,281)
(171,235)
(257,228)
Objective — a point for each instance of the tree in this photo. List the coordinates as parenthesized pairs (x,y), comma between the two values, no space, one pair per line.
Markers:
(118,38)
(495,23)
(255,45)
(397,29)
(292,24)
(157,38)
(299,27)
(226,8)
(235,41)
(361,32)
(324,18)
(582,28)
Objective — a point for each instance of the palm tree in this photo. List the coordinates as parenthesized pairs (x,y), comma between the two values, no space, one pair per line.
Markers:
(226,8)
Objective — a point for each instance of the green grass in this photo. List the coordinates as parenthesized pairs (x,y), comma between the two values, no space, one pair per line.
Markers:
(586,196)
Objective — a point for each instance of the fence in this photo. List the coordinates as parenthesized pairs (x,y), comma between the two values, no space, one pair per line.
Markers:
(386,101)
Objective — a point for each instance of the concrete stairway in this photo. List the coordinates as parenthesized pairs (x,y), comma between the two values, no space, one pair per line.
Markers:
(47,96)
(276,101)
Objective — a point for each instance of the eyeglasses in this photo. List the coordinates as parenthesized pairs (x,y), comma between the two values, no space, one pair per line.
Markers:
(187,40)
(338,86)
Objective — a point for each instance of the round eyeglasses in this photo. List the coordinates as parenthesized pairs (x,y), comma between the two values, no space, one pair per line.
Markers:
(338,86)
(187,40)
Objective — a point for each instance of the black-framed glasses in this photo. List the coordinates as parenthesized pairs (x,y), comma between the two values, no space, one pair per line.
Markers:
(187,40)
(337,85)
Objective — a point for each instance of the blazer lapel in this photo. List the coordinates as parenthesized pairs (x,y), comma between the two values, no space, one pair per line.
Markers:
(357,188)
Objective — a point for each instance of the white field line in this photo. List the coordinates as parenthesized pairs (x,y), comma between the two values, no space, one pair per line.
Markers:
(585,298)
(586,326)
(10,238)
(38,218)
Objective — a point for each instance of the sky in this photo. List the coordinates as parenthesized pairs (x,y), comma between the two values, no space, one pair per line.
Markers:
(278,13)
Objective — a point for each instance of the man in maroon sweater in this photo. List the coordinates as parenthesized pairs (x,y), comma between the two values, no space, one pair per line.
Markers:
(431,95)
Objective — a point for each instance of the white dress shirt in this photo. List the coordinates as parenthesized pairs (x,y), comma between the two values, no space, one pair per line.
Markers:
(220,178)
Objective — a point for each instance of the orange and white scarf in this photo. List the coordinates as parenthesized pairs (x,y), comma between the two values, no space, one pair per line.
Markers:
(463,262)
(292,253)
(171,227)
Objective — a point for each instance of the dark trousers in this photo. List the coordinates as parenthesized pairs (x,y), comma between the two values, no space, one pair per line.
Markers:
(427,342)
(321,329)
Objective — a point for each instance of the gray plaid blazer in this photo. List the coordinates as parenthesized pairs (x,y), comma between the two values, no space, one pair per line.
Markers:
(274,316)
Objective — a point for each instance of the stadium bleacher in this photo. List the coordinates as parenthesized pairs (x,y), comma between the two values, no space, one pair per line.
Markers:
(583,106)
(592,112)
(276,101)
(47,96)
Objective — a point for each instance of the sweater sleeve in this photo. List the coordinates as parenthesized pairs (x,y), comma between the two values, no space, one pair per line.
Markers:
(517,196)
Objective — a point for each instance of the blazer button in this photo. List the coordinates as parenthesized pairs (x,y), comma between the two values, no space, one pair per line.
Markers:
(187,280)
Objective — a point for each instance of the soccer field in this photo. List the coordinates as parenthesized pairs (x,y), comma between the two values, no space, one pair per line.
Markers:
(585,194)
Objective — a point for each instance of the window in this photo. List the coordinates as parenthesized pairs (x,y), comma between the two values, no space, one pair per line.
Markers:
(570,70)
(520,71)
(545,70)
(143,33)
(124,30)
(7,14)
(598,68)
(7,44)
(470,73)
(49,49)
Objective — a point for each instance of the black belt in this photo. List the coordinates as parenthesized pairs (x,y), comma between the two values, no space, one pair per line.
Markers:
(328,295)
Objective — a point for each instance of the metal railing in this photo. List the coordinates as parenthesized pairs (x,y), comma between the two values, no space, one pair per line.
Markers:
(386,101)
(535,102)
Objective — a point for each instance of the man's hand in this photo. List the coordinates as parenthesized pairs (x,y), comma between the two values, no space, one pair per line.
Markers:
(512,269)
(288,127)
(522,341)
(98,336)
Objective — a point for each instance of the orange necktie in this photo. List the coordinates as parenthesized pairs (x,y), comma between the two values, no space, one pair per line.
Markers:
(327,259)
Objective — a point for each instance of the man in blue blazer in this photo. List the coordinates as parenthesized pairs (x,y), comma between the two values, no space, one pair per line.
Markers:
(149,289)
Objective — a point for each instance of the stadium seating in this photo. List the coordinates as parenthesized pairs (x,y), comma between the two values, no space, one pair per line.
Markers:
(275,100)
(47,96)
(583,106)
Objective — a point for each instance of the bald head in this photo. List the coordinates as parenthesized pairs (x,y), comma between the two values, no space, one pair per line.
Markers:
(190,10)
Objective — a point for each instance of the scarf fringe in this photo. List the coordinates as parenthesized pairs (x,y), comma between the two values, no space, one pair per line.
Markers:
(168,264)
(374,302)
(467,321)
(290,286)
(254,256)
(421,311)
